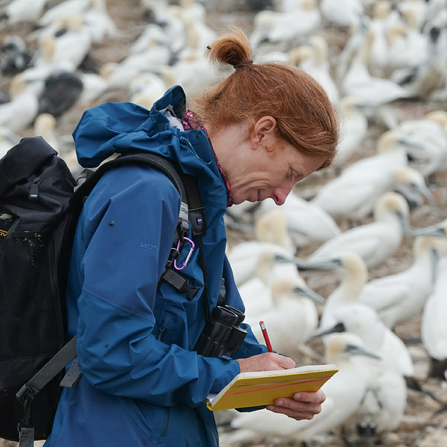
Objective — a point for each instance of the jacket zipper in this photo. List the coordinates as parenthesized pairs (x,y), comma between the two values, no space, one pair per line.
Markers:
(161,331)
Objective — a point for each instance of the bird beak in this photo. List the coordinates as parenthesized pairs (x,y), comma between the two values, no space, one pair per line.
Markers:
(328,264)
(424,191)
(339,327)
(409,144)
(357,350)
(434,261)
(434,231)
(309,293)
(296,230)
(286,260)
(405,225)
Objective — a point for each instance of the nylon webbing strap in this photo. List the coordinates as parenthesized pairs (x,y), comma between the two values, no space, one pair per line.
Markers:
(49,370)
(197,217)
(26,437)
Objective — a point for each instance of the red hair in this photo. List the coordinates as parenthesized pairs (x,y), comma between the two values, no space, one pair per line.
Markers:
(304,114)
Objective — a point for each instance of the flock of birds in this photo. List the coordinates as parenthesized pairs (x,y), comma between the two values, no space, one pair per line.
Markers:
(392,51)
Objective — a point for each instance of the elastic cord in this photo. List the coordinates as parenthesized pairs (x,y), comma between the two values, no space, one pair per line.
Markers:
(242,64)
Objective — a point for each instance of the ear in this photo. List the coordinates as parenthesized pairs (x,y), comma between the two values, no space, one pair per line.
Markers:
(264,133)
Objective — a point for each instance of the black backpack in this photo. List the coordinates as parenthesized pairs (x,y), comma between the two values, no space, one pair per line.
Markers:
(40,203)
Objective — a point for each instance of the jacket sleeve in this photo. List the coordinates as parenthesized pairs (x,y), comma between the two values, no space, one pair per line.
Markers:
(127,229)
(250,346)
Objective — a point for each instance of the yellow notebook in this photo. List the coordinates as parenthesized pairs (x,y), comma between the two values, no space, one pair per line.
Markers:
(251,389)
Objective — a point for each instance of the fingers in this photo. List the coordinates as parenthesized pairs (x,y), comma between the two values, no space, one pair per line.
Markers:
(303,406)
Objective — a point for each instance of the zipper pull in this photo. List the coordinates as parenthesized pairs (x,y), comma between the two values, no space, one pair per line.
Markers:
(34,191)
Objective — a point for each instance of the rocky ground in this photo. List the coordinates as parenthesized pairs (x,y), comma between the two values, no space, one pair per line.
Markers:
(420,428)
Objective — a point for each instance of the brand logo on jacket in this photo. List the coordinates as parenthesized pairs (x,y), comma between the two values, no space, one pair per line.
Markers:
(148,246)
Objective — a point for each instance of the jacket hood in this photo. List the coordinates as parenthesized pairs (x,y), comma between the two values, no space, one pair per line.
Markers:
(127,128)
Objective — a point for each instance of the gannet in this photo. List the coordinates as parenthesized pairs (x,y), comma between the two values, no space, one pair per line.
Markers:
(24,11)
(244,256)
(63,10)
(306,222)
(354,126)
(45,126)
(256,293)
(346,13)
(401,296)
(428,137)
(8,139)
(364,321)
(353,275)
(20,112)
(354,193)
(99,21)
(423,79)
(433,327)
(359,83)
(314,60)
(344,392)
(292,318)
(376,241)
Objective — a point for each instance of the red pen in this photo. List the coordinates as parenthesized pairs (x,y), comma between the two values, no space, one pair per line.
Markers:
(266,336)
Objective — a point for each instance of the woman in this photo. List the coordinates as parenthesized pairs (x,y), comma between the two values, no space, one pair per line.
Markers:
(252,136)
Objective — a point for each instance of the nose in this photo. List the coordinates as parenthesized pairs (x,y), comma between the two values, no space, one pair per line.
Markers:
(280,193)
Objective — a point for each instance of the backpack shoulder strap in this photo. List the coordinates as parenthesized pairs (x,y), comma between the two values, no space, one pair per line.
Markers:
(144,158)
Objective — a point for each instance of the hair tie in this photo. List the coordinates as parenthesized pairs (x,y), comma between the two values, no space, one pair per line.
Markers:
(241,64)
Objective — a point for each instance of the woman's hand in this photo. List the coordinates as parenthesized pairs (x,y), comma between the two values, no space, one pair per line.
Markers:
(265,362)
(302,406)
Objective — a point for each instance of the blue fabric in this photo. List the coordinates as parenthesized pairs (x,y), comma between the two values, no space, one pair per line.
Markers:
(141,384)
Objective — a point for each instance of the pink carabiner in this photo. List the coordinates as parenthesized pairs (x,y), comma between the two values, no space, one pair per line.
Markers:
(187,257)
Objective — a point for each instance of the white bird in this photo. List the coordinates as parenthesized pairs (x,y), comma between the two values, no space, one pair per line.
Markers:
(72,46)
(151,33)
(293,317)
(378,58)
(359,83)
(364,321)
(407,46)
(244,256)
(8,139)
(428,137)
(354,126)
(277,27)
(20,112)
(382,407)
(376,241)
(154,57)
(344,392)
(433,327)
(353,275)
(45,126)
(354,193)
(24,11)
(99,22)
(306,222)
(63,10)
(423,79)
(344,13)
(313,59)
(256,293)
(145,89)
(402,296)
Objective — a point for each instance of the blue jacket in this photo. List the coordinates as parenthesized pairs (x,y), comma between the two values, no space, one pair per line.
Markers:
(142,384)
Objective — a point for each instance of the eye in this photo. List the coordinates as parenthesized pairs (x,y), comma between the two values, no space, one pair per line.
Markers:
(292,175)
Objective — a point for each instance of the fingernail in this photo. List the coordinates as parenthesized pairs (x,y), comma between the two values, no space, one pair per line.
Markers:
(279,403)
(270,407)
(297,396)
